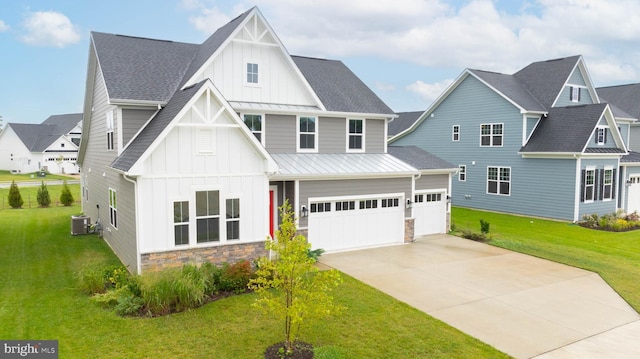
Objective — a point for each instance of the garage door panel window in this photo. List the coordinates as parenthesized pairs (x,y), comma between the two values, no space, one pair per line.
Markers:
(390,202)
(345,205)
(320,207)
(368,204)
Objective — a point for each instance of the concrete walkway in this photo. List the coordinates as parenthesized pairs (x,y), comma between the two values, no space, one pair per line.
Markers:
(522,305)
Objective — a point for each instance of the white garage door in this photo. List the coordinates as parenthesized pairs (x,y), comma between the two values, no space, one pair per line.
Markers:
(430,213)
(634,194)
(349,223)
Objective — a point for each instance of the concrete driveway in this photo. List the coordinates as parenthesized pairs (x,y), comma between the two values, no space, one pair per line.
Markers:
(522,305)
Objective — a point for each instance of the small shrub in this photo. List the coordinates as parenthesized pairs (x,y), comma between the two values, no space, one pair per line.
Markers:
(474,236)
(212,275)
(235,277)
(117,276)
(633,217)
(129,304)
(15,199)
(484,226)
(91,281)
(157,292)
(109,299)
(315,254)
(44,200)
(66,198)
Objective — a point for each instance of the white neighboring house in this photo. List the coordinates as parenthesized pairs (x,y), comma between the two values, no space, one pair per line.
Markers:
(50,146)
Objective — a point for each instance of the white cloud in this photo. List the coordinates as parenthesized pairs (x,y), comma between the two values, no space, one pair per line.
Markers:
(3,27)
(49,28)
(452,35)
(429,92)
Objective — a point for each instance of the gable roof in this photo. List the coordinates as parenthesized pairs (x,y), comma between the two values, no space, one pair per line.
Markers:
(338,88)
(38,137)
(142,69)
(632,157)
(154,128)
(420,158)
(403,122)
(625,97)
(511,87)
(545,79)
(565,129)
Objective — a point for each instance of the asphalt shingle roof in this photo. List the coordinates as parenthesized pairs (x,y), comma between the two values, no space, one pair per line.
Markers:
(338,87)
(419,158)
(137,68)
(511,87)
(545,79)
(565,129)
(37,137)
(632,157)
(403,122)
(141,143)
(625,97)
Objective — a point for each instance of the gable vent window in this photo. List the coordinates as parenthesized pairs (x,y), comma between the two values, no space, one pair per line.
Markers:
(252,73)
(206,141)
(574,94)
(109,126)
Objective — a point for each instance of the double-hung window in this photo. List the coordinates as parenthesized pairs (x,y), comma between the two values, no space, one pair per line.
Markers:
(607,184)
(113,208)
(207,216)
(233,218)
(491,134)
(355,136)
(455,133)
(307,131)
(499,180)
(181,222)
(574,94)
(252,73)
(601,136)
(109,126)
(462,173)
(589,184)
(254,123)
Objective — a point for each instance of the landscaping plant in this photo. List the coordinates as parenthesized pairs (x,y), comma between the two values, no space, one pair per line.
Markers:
(44,200)
(15,199)
(291,286)
(66,198)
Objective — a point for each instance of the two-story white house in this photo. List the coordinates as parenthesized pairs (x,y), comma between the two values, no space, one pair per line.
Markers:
(189,150)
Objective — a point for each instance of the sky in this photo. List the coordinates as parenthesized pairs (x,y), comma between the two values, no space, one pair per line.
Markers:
(407,51)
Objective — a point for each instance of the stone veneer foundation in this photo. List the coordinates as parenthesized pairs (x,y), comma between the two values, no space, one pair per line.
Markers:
(231,253)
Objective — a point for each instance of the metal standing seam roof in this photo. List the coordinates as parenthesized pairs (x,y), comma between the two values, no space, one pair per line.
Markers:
(565,129)
(301,165)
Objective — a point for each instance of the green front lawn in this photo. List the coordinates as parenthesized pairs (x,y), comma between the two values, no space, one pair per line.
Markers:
(30,196)
(613,255)
(7,176)
(39,299)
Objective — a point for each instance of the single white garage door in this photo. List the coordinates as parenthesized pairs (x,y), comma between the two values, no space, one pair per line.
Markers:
(430,213)
(349,223)
(634,194)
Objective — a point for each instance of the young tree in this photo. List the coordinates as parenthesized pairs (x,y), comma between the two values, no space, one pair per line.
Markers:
(66,198)
(291,286)
(15,199)
(44,200)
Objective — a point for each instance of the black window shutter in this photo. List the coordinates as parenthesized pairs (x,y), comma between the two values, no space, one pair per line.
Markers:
(570,93)
(613,185)
(582,186)
(605,135)
(595,138)
(579,90)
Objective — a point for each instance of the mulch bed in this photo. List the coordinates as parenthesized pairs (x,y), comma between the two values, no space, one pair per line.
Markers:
(301,350)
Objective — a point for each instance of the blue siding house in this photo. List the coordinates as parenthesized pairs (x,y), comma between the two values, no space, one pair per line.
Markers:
(538,142)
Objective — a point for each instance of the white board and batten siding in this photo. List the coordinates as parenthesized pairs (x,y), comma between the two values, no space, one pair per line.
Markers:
(176,169)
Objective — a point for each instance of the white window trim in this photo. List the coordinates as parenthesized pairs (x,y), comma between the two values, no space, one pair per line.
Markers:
(188,223)
(237,196)
(499,181)
(605,199)
(109,127)
(113,210)
(355,150)
(316,139)
(593,195)
(262,132)
(491,124)
(193,218)
(579,89)
(462,169)
(454,132)
(246,73)
(604,136)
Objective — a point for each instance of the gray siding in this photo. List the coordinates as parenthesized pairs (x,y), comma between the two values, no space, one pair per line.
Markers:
(432,182)
(576,78)
(634,138)
(374,136)
(332,135)
(360,187)
(531,125)
(280,133)
(98,178)
(132,122)
(538,187)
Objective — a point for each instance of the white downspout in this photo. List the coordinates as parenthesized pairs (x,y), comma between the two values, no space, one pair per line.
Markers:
(135,201)
(576,196)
